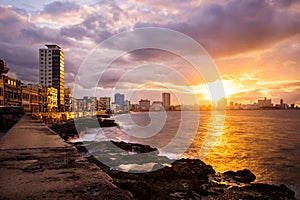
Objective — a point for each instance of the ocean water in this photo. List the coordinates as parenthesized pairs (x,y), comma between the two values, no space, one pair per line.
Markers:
(265,141)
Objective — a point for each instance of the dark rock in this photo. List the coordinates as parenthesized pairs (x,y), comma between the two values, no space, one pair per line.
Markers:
(272,191)
(242,176)
(134,147)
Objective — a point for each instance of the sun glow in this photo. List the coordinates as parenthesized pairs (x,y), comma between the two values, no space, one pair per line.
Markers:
(212,91)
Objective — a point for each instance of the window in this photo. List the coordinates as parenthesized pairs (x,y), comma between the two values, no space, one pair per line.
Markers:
(42,58)
(42,81)
(49,54)
(49,82)
(49,58)
(49,63)
(42,62)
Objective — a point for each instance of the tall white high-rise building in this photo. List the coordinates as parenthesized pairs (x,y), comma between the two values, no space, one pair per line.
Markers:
(52,71)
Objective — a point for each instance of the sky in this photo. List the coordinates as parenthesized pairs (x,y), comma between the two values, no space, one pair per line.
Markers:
(254,45)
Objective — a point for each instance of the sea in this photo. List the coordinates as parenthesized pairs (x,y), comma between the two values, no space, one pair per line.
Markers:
(267,142)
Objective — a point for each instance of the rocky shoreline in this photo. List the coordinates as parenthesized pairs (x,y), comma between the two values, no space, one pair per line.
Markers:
(170,179)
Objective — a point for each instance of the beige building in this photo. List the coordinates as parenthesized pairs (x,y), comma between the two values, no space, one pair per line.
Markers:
(104,103)
(68,99)
(12,92)
(52,104)
(157,106)
(30,98)
(265,103)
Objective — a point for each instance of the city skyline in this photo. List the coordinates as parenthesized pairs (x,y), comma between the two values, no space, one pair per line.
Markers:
(254,45)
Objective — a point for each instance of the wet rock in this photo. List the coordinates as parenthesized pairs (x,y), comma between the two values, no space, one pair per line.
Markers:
(242,176)
(66,130)
(134,147)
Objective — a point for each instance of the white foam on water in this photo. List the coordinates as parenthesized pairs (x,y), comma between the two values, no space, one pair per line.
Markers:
(137,167)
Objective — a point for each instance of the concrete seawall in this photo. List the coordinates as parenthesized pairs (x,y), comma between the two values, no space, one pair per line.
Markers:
(35,163)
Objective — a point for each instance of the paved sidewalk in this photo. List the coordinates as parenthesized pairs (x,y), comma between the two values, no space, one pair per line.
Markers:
(35,163)
(31,133)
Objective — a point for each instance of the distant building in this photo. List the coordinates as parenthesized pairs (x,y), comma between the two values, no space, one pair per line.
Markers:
(166,100)
(43,98)
(52,104)
(68,99)
(30,98)
(3,70)
(104,103)
(119,100)
(51,71)
(144,105)
(116,108)
(12,92)
(231,105)
(265,103)
(127,106)
(157,106)
(135,107)
(93,104)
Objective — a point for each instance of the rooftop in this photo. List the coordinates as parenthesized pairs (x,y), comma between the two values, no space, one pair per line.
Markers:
(52,46)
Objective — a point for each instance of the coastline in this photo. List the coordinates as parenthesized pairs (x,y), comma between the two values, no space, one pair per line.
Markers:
(179,179)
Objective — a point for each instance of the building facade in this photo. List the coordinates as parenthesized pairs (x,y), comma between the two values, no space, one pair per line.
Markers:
(68,99)
(157,106)
(3,70)
(144,105)
(12,92)
(166,100)
(265,103)
(127,106)
(51,71)
(119,100)
(52,104)
(104,103)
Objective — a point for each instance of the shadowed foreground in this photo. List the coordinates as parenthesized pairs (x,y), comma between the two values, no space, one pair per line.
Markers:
(35,163)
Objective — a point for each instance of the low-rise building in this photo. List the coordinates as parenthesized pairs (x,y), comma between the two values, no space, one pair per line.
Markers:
(104,103)
(157,106)
(12,92)
(265,103)
(144,105)
(3,70)
(68,99)
(127,106)
(43,98)
(52,104)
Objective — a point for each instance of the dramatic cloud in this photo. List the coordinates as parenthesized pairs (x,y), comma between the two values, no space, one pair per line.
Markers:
(253,42)
(237,26)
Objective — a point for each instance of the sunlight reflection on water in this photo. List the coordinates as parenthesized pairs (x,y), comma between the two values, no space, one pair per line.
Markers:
(266,142)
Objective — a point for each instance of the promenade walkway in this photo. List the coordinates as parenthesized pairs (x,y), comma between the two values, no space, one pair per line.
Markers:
(35,163)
